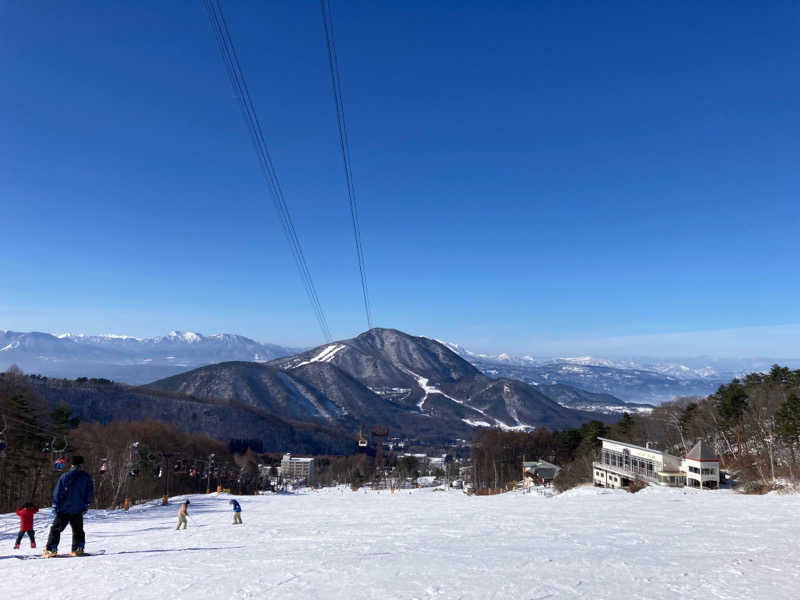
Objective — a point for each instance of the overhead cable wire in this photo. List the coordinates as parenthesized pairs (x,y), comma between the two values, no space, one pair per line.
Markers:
(239,84)
(344,144)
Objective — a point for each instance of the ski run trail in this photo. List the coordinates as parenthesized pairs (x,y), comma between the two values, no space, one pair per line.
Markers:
(335,543)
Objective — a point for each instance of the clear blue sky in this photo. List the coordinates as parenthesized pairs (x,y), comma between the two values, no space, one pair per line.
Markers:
(527,172)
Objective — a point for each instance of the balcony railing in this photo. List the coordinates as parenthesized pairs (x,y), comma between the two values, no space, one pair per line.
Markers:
(628,469)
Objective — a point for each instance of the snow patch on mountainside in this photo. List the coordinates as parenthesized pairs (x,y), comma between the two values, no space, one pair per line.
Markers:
(326,355)
(422,382)
(428,389)
(476,423)
(190,337)
(590,361)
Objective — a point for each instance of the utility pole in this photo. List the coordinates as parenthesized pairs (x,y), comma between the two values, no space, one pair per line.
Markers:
(208,472)
(132,449)
(165,471)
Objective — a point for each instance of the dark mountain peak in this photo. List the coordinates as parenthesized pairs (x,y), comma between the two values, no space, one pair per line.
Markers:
(420,355)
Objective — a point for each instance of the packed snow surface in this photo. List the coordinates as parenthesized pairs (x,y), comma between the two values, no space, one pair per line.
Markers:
(334,543)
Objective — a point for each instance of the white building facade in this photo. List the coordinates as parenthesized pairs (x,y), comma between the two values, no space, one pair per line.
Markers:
(297,469)
(619,463)
(701,466)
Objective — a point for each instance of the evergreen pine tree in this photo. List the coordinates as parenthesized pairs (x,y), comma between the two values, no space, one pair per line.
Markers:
(787,419)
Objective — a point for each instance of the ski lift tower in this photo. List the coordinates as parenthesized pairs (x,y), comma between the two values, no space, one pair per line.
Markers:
(379,433)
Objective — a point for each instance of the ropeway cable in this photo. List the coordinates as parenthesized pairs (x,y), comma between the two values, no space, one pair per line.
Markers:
(234,69)
(336,84)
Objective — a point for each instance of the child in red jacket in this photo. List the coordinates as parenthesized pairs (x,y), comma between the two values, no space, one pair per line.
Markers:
(25,515)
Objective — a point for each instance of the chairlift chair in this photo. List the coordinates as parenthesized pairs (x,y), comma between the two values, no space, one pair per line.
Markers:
(362,442)
(57,454)
(180,467)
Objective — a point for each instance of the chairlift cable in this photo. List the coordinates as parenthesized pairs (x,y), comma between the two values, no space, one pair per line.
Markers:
(344,145)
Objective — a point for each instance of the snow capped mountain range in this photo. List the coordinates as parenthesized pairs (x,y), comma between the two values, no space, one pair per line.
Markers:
(638,379)
(127,358)
(701,367)
(136,360)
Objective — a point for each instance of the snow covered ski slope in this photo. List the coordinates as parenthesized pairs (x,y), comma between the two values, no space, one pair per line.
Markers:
(334,543)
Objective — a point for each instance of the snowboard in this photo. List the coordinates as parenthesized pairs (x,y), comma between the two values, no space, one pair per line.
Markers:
(31,556)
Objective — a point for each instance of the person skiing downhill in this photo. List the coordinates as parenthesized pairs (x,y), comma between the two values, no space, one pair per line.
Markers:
(182,513)
(25,515)
(72,496)
(237,512)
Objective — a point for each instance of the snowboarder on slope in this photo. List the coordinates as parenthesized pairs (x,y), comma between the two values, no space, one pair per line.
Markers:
(25,515)
(72,496)
(237,512)
(182,513)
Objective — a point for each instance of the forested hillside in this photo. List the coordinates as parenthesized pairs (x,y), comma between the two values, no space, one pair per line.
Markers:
(128,446)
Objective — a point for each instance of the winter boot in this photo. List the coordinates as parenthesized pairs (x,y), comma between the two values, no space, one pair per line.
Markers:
(77,552)
(49,553)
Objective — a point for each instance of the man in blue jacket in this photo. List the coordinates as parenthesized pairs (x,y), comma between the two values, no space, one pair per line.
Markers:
(72,496)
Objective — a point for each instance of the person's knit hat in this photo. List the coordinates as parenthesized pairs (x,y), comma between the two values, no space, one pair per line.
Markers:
(77,459)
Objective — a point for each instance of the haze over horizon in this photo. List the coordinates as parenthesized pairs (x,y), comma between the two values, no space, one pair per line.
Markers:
(760,342)
(540,179)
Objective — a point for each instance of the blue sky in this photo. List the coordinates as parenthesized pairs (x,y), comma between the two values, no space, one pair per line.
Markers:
(530,176)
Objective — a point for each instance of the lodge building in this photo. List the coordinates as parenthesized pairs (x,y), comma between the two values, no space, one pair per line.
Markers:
(619,463)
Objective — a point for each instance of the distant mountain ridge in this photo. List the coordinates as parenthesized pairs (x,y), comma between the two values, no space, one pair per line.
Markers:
(414,385)
(126,358)
(649,381)
(708,368)
(140,360)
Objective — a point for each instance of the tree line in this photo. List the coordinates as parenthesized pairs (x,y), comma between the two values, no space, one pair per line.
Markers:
(496,456)
(136,460)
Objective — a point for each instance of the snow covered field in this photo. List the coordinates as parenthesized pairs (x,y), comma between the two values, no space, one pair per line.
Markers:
(587,543)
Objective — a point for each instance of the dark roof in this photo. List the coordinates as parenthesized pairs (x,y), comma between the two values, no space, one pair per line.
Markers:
(702,451)
(542,468)
(546,472)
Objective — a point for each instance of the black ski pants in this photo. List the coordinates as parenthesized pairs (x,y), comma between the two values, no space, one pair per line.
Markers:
(21,534)
(60,524)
